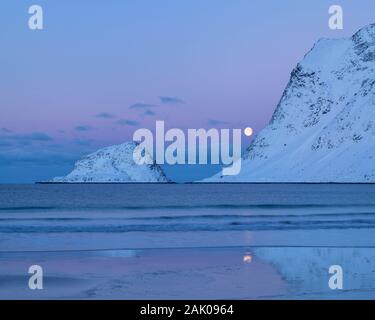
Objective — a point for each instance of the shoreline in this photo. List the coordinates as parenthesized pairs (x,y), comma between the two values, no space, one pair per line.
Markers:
(195,273)
(209,183)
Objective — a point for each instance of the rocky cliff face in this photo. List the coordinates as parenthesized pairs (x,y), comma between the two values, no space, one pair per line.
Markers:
(323,129)
(113,164)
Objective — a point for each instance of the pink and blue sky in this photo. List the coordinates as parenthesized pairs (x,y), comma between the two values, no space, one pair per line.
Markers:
(101,69)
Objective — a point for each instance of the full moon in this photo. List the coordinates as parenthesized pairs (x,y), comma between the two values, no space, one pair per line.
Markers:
(248,131)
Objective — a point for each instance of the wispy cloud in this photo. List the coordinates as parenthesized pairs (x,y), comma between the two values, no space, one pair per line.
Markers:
(142,106)
(126,122)
(105,115)
(42,157)
(83,142)
(213,122)
(5,130)
(37,136)
(83,128)
(149,113)
(4,143)
(171,100)
(34,136)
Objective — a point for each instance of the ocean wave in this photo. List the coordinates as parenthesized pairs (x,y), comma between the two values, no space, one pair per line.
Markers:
(178,207)
(193,217)
(193,227)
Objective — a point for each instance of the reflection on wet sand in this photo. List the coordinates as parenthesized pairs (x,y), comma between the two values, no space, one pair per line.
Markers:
(306,270)
(191,273)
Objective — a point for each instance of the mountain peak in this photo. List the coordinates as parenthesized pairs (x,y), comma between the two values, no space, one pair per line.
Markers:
(323,129)
(364,42)
(366,33)
(113,164)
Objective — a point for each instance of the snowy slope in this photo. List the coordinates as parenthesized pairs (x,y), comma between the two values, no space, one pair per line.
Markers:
(113,164)
(323,129)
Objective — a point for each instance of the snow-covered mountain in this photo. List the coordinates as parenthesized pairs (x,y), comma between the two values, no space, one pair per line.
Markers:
(113,164)
(323,129)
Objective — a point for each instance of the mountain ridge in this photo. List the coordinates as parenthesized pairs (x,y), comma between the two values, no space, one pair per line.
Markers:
(323,128)
(113,164)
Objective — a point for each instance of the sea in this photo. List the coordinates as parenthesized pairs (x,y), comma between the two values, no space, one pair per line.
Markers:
(140,241)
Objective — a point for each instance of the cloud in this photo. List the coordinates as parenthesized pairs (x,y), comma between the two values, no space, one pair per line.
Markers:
(83,128)
(149,113)
(125,122)
(5,143)
(45,157)
(213,122)
(23,143)
(5,130)
(34,136)
(163,100)
(142,106)
(83,142)
(171,100)
(105,115)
